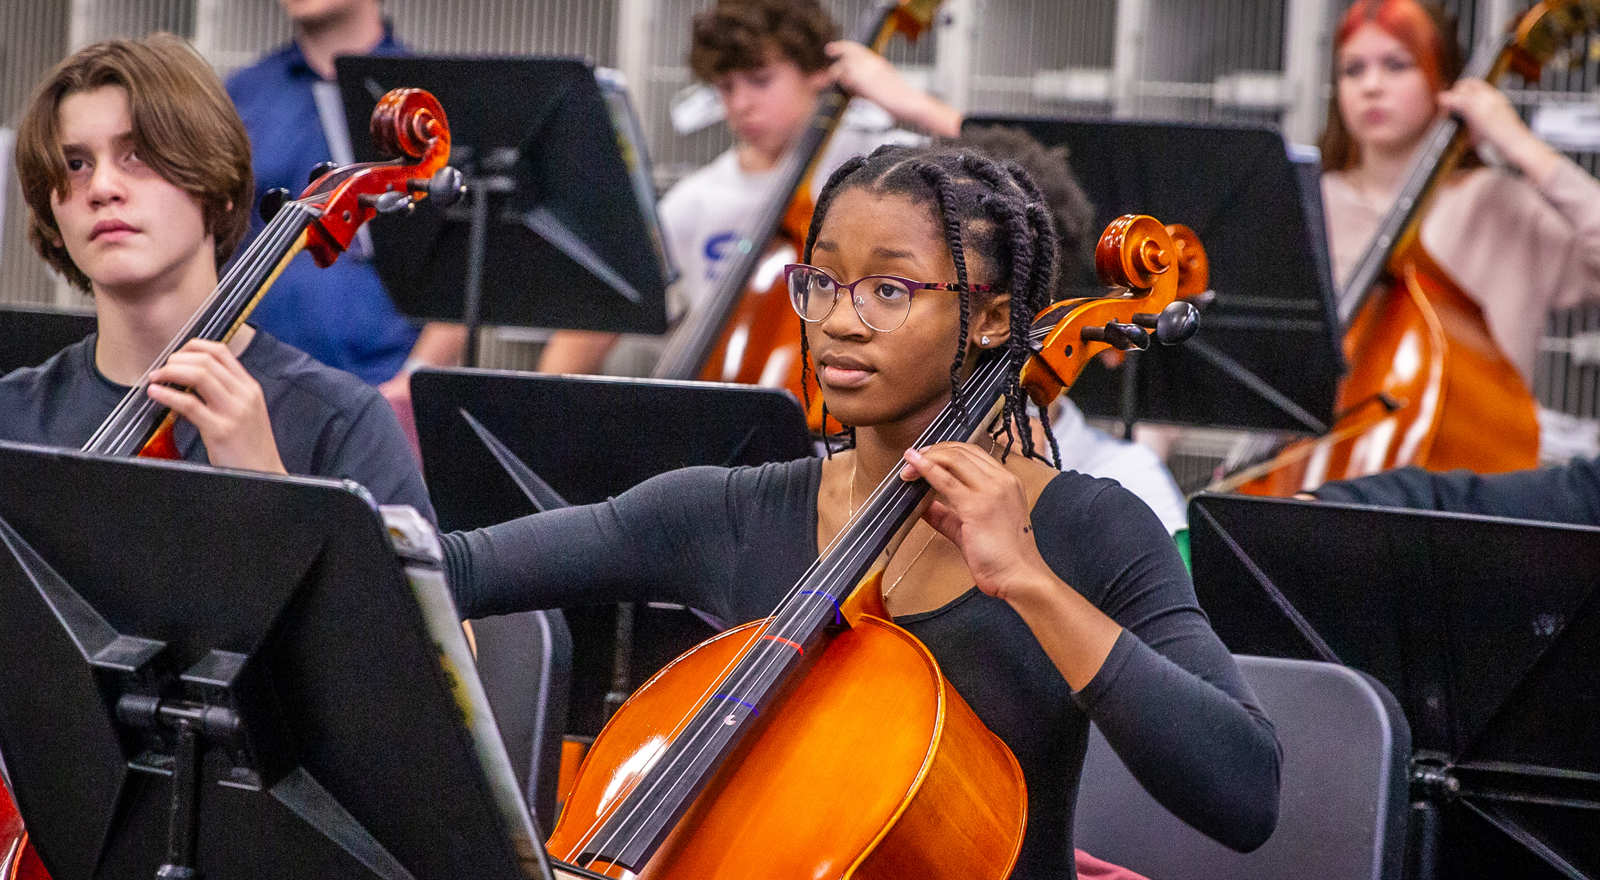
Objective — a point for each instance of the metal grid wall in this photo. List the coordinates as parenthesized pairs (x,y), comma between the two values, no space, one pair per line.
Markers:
(32,38)
(100,19)
(1043,57)
(543,27)
(1189,48)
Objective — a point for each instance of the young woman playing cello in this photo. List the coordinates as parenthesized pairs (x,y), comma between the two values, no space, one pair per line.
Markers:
(1048,598)
(1518,241)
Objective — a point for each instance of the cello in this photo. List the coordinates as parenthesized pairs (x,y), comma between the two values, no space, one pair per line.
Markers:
(712,768)
(408,125)
(1426,375)
(745,332)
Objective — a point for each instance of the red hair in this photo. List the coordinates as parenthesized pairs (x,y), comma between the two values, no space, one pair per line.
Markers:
(1406,21)
(1426,32)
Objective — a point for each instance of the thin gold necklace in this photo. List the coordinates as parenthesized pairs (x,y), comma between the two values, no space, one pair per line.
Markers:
(932,532)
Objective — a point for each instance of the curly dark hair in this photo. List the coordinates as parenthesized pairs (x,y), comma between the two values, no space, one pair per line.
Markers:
(1069,206)
(740,35)
(989,208)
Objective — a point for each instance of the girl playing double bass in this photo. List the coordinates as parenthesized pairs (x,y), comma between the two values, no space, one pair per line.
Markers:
(1519,241)
(1048,598)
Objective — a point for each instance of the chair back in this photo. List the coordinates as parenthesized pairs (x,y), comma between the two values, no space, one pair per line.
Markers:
(525,664)
(1343,808)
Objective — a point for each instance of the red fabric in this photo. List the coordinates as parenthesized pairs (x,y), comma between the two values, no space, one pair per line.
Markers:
(1091,868)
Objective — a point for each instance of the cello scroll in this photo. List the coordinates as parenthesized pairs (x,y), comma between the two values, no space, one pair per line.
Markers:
(1157,266)
(408,125)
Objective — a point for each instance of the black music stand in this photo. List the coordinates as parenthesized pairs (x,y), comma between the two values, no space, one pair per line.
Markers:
(553,229)
(239,661)
(1487,631)
(28,337)
(1267,356)
(499,445)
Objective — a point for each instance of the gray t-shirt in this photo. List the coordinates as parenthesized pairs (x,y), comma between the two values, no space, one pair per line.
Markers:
(1169,698)
(327,423)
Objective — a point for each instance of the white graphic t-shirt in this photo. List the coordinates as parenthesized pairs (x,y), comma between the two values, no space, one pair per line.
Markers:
(703,215)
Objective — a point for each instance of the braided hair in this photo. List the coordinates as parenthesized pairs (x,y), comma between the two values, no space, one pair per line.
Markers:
(992,209)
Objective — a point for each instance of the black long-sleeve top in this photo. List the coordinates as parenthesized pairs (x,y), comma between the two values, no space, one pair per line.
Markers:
(1169,698)
(1566,494)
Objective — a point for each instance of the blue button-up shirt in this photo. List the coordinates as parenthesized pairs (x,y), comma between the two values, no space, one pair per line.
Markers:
(341,315)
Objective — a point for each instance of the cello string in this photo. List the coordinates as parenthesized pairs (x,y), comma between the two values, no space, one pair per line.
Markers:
(135,410)
(850,541)
(828,572)
(124,426)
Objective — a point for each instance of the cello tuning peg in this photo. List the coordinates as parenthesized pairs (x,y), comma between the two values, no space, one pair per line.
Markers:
(390,202)
(1174,324)
(1178,323)
(319,169)
(1119,336)
(444,187)
(272,201)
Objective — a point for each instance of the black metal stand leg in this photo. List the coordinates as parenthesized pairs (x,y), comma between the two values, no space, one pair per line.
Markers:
(621,661)
(184,820)
(1422,849)
(1130,393)
(477,248)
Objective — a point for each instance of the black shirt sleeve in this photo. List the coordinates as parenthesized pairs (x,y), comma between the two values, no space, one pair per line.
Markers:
(1169,698)
(1565,494)
(665,539)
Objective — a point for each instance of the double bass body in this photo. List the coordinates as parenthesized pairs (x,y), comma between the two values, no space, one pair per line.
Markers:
(1428,387)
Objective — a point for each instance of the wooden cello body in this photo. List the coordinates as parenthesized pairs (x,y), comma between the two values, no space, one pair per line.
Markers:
(931,792)
(1428,386)
(823,741)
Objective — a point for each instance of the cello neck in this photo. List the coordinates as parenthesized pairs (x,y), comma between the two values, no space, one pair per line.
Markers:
(648,813)
(1440,154)
(136,417)
(691,345)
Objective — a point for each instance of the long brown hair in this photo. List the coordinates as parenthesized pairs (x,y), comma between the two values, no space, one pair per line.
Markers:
(1427,32)
(184,128)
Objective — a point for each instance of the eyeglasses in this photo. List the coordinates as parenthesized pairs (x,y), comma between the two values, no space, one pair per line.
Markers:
(882,304)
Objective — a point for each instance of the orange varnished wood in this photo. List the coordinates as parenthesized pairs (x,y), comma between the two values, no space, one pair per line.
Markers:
(162,444)
(1134,254)
(1458,402)
(1428,385)
(850,775)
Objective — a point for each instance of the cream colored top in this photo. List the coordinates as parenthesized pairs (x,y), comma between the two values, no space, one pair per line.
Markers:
(1519,250)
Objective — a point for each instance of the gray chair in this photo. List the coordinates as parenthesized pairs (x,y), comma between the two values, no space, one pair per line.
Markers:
(1342,815)
(525,664)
